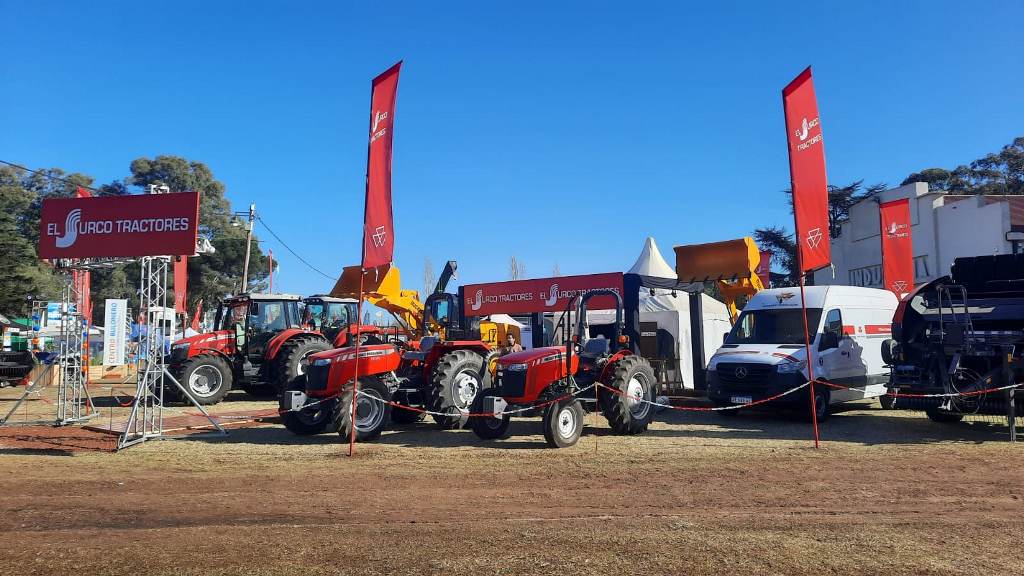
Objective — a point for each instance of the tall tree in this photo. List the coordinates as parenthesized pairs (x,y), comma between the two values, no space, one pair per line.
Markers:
(429,280)
(995,173)
(783,247)
(516,269)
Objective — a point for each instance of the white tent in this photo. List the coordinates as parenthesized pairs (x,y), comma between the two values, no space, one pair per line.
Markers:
(672,314)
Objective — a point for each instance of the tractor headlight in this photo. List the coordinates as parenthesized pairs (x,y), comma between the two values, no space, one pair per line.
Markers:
(516,367)
(322,362)
(791,367)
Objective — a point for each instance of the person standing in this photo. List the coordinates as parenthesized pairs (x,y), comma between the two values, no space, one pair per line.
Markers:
(511,346)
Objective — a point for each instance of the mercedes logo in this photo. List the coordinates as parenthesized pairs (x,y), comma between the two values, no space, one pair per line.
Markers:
(741,372)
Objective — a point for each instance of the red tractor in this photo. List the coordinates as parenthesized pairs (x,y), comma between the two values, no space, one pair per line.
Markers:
(562,381)
(261,343)
(441,372)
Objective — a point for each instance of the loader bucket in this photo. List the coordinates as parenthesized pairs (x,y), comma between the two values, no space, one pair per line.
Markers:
(383,280)
(727,260)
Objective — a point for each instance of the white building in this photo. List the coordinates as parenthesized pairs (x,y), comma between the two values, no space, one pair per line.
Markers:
(943,227)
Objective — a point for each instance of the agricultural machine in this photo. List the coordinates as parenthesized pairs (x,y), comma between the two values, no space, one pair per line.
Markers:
(441,372)
(562,381)
(962,333)
(261,343)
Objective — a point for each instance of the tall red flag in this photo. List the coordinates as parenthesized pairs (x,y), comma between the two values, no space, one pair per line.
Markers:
(764,268)
(807,172)
(378,225)
(180,284)
(199,314)
(83,278)
(897,247)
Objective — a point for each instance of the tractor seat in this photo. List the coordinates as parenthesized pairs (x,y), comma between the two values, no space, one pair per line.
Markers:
(596,346)
(427,342)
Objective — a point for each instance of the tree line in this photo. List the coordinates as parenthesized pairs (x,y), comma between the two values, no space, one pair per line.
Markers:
(998,173)
(210,276)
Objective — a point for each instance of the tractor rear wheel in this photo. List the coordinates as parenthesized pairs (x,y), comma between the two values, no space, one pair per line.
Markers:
(206,378)
(630,410)
(307,421)
(457,379)
(488,427)
(293,358)
(563,422)
(372,410)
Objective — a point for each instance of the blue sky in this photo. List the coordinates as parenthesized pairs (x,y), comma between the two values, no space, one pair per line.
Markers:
(556,132)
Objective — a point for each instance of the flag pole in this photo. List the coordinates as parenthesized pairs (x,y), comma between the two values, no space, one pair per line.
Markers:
(355,379)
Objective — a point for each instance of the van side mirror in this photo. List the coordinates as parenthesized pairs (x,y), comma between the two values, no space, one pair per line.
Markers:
(829,340)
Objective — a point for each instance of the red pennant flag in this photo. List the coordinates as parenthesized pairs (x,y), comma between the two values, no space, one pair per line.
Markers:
(764,268)
(897,247)
(199,313)
(378,224)
(180,284)
(83,278)
(807,172)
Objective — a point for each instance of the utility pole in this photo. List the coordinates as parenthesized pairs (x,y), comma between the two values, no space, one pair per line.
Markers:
(248,246)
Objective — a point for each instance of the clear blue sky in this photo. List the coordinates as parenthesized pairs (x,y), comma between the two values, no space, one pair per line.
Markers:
(558,134)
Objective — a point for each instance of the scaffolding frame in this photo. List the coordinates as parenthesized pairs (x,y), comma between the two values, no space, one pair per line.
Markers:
(74,404)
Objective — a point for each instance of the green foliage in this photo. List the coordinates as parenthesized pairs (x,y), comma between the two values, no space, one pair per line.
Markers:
(999,173)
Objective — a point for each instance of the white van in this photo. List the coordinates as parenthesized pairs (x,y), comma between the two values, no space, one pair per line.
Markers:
(764,354)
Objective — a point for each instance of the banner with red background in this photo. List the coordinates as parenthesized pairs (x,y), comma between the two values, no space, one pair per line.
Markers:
(807,172)
(378,223)
(539,294)
(764,268)
(897,247)
(180,284)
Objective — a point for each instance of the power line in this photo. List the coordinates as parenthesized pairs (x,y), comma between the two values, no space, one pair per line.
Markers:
(45,175)
(288,248)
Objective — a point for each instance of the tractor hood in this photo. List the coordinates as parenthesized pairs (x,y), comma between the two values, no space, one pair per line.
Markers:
(533,355)
(215,340)
(349,353)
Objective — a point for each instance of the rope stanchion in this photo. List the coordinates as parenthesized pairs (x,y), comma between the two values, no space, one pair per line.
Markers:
(912,395)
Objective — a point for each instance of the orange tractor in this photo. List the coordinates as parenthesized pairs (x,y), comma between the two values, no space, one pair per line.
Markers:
(261,343)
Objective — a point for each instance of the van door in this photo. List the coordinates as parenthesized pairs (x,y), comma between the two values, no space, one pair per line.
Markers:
(834,355)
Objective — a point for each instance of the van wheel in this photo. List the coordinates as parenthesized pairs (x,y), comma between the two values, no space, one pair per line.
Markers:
(943,417)
(821,399)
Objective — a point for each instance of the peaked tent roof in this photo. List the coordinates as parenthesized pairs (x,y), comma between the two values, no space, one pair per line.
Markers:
(651,263)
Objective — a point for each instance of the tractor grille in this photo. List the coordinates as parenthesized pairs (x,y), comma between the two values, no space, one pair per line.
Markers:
(316,377)
(733,373)
(512,384)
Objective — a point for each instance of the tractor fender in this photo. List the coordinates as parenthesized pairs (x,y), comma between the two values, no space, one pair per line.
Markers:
(609,366)
(274,346)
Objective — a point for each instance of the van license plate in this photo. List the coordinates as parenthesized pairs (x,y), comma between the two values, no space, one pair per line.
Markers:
(741,399)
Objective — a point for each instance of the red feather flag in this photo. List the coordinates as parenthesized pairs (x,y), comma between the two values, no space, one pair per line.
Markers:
(378,223)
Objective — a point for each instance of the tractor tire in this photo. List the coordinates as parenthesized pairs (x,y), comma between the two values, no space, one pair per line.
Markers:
(487,427)
(207,379)
(633,377)
(943,417)
(456,381)
(307,421)
(290,364)
(372,414)
(563,422)
(887,401)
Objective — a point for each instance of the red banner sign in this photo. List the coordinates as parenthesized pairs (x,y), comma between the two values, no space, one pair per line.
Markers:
(378,224)
(539,294)
(764,268)
(119,226)
(83,278)
(180,284)
(897,247)
(807,172)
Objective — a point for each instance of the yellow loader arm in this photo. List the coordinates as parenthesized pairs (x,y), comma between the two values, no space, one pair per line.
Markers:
(382,288)
(732,264)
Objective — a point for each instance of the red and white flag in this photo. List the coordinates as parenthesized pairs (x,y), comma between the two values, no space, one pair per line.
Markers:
(807,172)
(83,278)
(378,223)
(198,315)
(897,247)
(180,284)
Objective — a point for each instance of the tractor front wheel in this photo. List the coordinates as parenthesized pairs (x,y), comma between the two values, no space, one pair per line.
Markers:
(563,422)
(206,378)
(629,408)
(311,419)
(456,381)
(293,359)
(372,410)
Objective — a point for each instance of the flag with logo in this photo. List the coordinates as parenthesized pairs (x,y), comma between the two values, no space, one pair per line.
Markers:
(180,284)
(82,279)
(764,268)
(378,224)
(807,172)
(897,247)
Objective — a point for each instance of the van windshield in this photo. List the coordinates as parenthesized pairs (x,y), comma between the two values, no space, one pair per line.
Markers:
(785,326)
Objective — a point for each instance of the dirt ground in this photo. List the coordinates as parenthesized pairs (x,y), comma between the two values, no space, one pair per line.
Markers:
(888,492)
